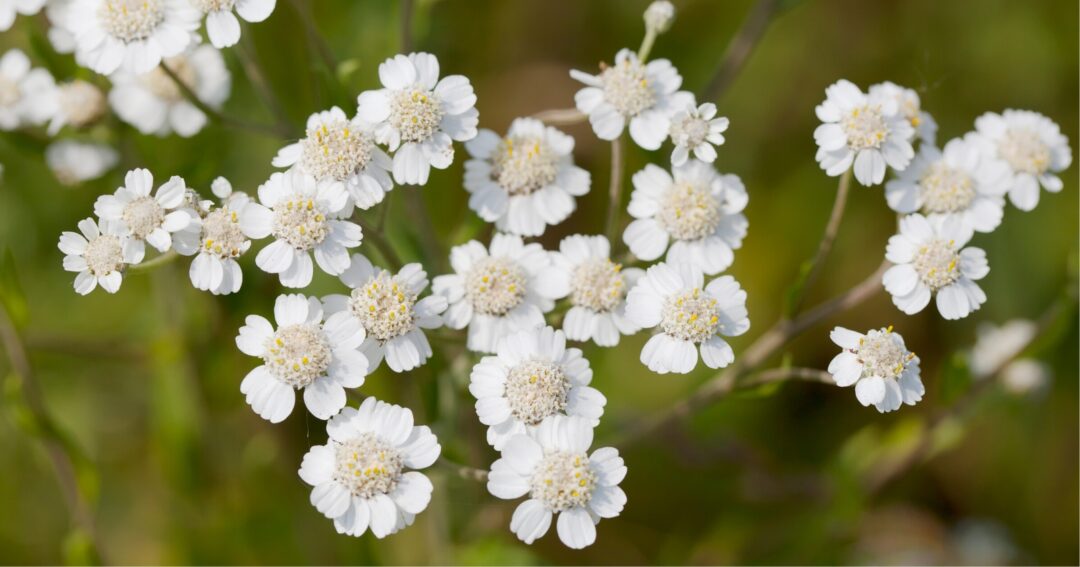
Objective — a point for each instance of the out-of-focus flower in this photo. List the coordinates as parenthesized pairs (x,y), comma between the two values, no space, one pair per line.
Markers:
(221,24)
(995,345)
(20,90)
(100,255)
(147,218)
(659,16)
(76,103)
(1026,376)
(907,101)
(73,162)
(133,35)
(10,8)
(696,130)
(1033,147)
(884,372)
(598,290)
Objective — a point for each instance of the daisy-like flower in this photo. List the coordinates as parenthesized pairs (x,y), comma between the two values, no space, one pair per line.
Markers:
(498,291)
(553,467)
(154,104)
(931,259)
(222,25)
(20,89)
(532,377)
(341,152)
(134,35)
(525,181)
(689,315)
(1033,147)
(959,180)
(303,353)
(74,162)
(216,239)
(10,8)
(598,289)
(100,255)
(76,103)
(359,476)
(698,211)
(868,131)
(148,218)
(884,372)
(695,129)
(301,216)
(910,107)
(389,308)
(646,95)
(418,116)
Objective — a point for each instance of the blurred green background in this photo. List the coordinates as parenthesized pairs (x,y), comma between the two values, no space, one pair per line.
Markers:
(178,468)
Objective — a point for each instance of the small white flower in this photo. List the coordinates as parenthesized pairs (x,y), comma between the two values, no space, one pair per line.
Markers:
(154,104)
(73,162)
(930,258)
(341,152)
(217,239)
(689,315)
(532,377)
(303,353)
(359,476)
(99,255)
(598,289)
(134,35)
(696,130)
(1026,376)
(418,116)
(497,292)
(525,181)
(644,94)
(659,16)
(76,103)
(553,467)
(884,372)
(58,12)
(994,346)
(867,130)
(21,90)
(960,181)
(389,308)
(1033,147)
(910,107)
(151,219)
(302,217)
(222,26)
(9,9)
(699,211)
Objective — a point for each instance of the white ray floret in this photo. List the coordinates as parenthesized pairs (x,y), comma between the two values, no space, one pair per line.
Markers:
(222,26)
(598,289)
(148,218)
(884,372)
(1033,147)
(217,240)
(133,35)
(695,130)
(74,162)
(910,106)
(99,255)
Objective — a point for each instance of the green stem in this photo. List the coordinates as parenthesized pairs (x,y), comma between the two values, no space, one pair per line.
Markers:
(154,262)
(646,44)
(614,191)
(214,114)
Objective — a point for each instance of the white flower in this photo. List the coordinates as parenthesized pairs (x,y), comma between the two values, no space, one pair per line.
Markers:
(58,12)
(644,94)
(73,162)
(525,181)
(151,219)
(659,16)
(552,466)
(301,216)
(532,377)
(598,289)
(1033,147)
(217,239)
(698,210)
(497,292)
(418,116)
(154,104)
(342,152)
(303,353)
(21,89)
(696,130)
(995,346)
(76,103)
(910,107)
(99,255)
(1026,376)
(867,130)
(9,8)
(359,475)
(689,315)
(960,181)
(930,258)
(134,35)
(389,308)
(882,369)
(222,26)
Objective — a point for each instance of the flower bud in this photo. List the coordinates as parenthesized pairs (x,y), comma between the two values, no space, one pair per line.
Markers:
(659,15)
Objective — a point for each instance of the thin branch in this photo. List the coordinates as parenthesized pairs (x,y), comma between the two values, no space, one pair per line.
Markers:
(740,47)
(215,114)
(561,116)
(154,262)
(614,189)
(827,239)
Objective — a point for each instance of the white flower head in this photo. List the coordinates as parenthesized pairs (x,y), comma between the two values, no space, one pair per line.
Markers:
(100,255)
(931,259)
(302,216)
(995,346)
(553,467)
(10,8)
(76,103)
(497,291)
(697,130)
(391,311)
(153,103)
(884,372)
(697,210)
(73,162)
(217,239)
(689,316)
(58,12)
(1026,376)
(360,478)
(303,353)
(532,377)
(134,35)
(1033,147)
(342,152)
(419,116)
(910,107)
(22,91)
(525,181)
(221,24)
(598,290)
(147,218)
(959,180)
(868,131)
(659,16)
(646,95)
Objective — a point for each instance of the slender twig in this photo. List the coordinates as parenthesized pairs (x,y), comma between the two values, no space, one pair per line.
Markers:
(614,189)
(466,472)
(561,116)
(215,114)
(740,47)
(245,53)
(406,26)
(782,374)
(827,239)
(154,262)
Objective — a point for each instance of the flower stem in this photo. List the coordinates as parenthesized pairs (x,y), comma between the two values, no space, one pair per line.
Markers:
(255,75)
(215,114)
(646,44)
(614,190)
(375,237)
(740,47)
(826,244)
(154,262)
(561,116)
